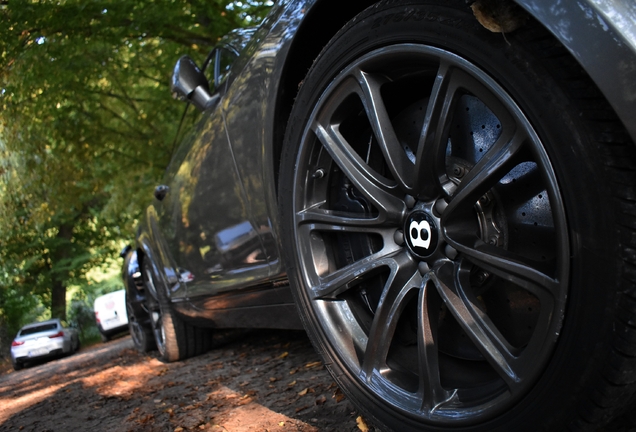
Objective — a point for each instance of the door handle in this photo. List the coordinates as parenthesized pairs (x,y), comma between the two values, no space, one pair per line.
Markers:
(161,191)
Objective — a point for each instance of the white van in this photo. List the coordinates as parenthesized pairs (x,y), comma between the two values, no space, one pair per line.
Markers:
(110,314)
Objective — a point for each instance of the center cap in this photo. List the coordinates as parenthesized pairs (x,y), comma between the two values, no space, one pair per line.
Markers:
(421,234)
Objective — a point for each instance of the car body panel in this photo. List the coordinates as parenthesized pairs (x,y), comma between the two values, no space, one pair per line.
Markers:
(601,35)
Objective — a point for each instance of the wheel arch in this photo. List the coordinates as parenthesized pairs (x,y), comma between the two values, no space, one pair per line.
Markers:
(584,28)
(313,34)
(589,27)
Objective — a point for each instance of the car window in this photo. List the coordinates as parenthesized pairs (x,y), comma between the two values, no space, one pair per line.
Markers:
(38,329)
(209,67)
(224,61)
(217,66)
(188,120)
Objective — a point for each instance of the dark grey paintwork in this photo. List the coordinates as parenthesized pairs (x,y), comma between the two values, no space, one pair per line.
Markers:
(213,239)
(601,35)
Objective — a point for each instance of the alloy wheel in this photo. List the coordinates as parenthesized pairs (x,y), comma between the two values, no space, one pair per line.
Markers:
(432,237)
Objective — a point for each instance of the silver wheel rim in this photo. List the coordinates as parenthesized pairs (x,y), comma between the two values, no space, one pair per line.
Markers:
(431,235)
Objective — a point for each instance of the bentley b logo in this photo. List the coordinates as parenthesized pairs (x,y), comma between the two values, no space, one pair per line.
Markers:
(420,233)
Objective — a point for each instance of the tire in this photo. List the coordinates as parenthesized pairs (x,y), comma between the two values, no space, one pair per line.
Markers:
(16,365)
(450,205)
(105,338)
(142,335)
(175,339)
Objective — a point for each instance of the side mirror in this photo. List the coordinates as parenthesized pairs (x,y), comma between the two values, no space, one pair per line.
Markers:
(189,83)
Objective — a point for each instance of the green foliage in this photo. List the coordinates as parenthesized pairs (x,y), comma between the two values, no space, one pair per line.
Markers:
(86,129)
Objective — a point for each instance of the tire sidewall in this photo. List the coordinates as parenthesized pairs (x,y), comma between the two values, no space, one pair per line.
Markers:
(575,160)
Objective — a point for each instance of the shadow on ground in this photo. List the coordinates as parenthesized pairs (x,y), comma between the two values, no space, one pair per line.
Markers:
(265,380)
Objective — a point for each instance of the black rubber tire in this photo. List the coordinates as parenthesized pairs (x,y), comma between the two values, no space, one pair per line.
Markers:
(141,335)
(588,377)
(175,339)
(105,338)
(17,365)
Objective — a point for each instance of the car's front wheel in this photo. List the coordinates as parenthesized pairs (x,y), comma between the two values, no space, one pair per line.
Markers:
(451,224)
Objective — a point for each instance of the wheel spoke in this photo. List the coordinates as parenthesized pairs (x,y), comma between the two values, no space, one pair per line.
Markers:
(504,155)
(374,187)
(397,160)
(431,152)
(528,274)
(315,214)
(339,281)
(431,391)
(403,278)
(477,325)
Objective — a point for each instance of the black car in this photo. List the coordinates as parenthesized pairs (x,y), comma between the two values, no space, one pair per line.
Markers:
(440,192)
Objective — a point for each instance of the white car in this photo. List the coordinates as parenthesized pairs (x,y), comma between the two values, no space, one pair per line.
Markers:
(41,340)
(110,314)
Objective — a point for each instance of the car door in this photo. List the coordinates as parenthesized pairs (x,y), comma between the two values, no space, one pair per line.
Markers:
(204,216)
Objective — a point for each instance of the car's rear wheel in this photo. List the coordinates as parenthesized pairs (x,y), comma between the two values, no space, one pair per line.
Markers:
(17,365)
(449,224)
(175,339)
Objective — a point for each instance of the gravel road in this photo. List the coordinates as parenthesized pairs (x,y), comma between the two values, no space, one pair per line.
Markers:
(262,381)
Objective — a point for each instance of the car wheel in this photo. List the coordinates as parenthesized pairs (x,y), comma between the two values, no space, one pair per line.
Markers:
(142,336)
(175,339)
(16,365)
(449,207)
(105,338)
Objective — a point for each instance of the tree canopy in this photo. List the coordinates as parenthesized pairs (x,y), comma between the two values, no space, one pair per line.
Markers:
(87,126)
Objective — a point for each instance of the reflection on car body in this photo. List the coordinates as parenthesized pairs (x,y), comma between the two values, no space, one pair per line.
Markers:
(447,211)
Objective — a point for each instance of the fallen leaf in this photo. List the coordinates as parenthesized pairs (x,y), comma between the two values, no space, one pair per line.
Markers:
(313,364)
(291,384)
(362,425)
(179,429)
(302,408)
(281,423)
(283,355)
(338,396)
(321,400)
(303,392)
(272,379)
(157,400)
(293,371)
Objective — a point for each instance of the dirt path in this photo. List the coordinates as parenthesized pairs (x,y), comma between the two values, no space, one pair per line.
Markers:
(266,380)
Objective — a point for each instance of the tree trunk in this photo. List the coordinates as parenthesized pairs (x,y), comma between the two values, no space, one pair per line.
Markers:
(58,288)
(58,300)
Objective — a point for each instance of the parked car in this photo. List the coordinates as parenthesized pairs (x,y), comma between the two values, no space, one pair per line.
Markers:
(110,314)
(442,193)
(41,340)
